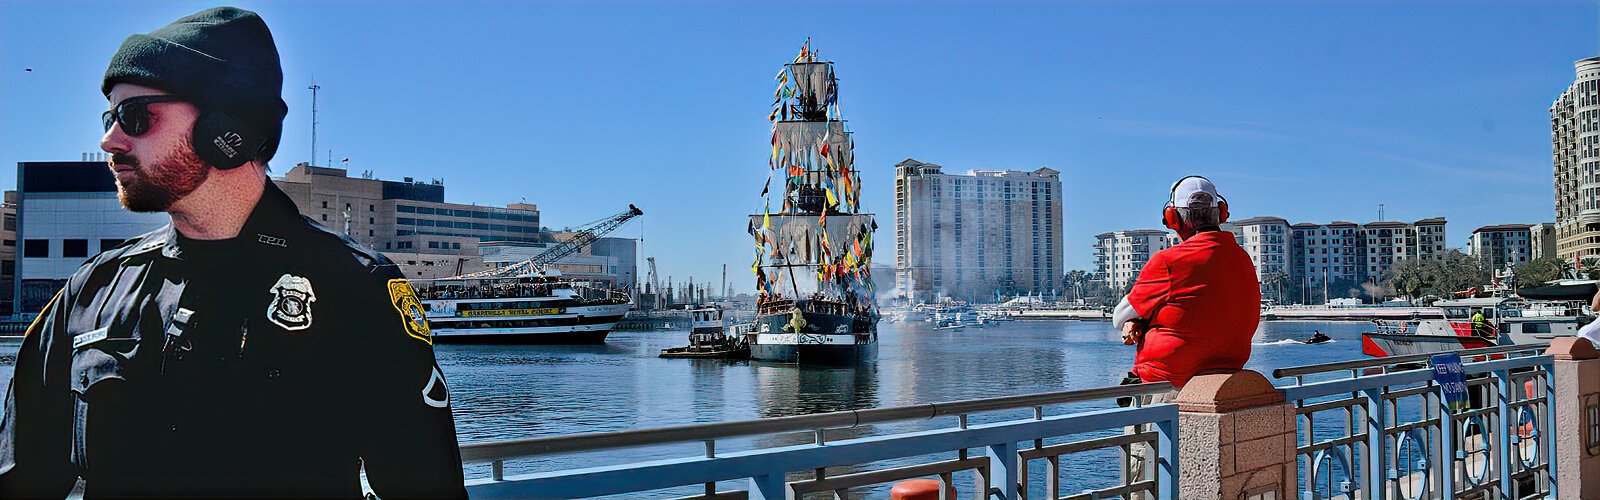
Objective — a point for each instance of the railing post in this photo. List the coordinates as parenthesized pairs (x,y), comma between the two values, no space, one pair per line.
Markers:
(1003,470)
(1502,431)
(1167,465)
(1575,465)
(1377,452)
(1238,437)
(1445,467)
(769,487)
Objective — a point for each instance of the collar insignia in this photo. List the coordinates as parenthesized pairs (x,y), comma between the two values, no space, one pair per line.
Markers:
(272,240)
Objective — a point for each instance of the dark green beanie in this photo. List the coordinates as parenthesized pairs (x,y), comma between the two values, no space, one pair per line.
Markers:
(221,59)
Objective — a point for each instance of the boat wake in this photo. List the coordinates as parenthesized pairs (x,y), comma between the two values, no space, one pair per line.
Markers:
(1289,342)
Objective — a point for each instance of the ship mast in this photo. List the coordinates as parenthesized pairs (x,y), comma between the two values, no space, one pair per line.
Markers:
(817,216)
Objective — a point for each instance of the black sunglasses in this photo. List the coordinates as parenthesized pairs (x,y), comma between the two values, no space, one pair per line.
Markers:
(133,114)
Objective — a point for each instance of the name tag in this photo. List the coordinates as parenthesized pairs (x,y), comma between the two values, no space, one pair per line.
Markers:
(88,338)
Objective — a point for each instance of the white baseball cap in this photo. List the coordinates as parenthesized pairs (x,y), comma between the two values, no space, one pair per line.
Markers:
(1185,190)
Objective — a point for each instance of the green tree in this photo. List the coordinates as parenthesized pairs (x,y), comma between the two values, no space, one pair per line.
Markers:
(1410,278)
(1539,271)
(1456,271)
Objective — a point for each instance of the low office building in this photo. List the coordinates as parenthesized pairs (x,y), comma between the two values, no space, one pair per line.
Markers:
(612,261)
(66,212)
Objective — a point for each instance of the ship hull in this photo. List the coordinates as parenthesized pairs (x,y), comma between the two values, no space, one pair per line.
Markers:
(1384,345)
(815,354)
(574,326)
(523,338)
(826,339)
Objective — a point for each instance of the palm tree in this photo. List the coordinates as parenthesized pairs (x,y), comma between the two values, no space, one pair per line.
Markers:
(1077,279)
(1591,267)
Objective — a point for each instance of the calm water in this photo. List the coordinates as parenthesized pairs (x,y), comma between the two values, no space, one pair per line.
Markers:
(504,392)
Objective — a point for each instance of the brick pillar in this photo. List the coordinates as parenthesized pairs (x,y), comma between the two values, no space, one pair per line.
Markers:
(1576,399)
(1238,438)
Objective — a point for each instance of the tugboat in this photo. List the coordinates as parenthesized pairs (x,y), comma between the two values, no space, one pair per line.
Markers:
(708,338)
(815,301)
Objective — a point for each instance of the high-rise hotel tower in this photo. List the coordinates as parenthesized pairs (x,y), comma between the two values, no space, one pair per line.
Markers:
(1575,152)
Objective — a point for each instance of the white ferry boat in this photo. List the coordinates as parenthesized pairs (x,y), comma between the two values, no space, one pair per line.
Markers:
(521,310)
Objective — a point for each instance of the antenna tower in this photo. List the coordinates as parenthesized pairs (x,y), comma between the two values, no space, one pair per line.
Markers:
(314,87)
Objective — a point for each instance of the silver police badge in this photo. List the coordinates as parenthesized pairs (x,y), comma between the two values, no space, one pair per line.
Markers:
(291,303)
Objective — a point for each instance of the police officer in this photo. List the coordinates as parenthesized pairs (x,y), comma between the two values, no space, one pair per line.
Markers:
(242,350)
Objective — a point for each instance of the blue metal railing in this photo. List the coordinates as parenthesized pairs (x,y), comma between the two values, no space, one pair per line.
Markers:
(1000,468)
(1380,428)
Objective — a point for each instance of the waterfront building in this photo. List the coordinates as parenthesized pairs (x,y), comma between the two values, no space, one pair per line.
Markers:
(1502,245)
(971,236)
(1575,157)
(383,214)
(1324,255)
(1385,242)
(407,220)
(66,212)
(1542,240)
(1120,255)
(1304,262)
(612,261)
(1267,241)
(8,253)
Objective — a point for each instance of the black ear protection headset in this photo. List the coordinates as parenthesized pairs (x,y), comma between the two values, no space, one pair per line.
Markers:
(225,141)
(1169,215)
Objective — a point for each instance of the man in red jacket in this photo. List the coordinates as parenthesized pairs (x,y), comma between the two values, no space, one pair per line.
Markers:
(1195,305)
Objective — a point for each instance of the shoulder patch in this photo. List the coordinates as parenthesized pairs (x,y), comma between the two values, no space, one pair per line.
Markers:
(410,309)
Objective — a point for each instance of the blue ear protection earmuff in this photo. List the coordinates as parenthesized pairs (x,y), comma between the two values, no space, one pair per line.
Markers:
(1169,215)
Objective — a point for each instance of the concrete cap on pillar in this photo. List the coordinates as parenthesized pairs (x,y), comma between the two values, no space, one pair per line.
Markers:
(1225,392)
(1571,348)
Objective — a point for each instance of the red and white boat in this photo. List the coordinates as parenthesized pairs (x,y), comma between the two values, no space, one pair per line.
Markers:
(1511,320)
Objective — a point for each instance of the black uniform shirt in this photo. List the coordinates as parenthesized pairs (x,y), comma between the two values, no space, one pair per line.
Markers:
(275,363)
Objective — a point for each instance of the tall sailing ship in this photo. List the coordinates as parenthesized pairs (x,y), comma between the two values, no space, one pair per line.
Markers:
(815,300)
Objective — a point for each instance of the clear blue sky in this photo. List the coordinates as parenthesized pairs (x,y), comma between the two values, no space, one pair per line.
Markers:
(1312,112)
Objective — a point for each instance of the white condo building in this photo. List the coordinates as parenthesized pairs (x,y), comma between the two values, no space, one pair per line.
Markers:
(1324,253)
(1120,255)
(973,235)
(1266,239)
(1297,262)
(1501,245)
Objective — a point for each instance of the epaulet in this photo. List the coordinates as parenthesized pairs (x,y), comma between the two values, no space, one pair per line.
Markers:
(367,257)
(147,243)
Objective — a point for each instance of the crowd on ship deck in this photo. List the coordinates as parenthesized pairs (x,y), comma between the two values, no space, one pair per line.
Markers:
(487,290)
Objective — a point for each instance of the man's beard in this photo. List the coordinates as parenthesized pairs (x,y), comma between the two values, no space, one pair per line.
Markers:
(155,187)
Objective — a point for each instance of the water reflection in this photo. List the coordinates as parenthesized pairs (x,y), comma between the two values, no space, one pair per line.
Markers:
(508,392)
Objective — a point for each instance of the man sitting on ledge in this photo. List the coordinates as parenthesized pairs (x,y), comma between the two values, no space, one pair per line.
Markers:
(1195,305)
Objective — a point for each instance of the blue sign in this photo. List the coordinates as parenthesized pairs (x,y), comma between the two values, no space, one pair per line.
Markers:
(1452,380)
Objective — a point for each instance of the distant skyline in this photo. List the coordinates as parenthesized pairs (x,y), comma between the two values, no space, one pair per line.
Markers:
(1312,112)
